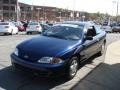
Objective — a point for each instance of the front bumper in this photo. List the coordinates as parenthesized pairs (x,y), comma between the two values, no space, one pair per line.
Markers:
(44,70)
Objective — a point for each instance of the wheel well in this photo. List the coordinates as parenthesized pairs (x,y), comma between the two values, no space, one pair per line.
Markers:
(105,41)
(78,56)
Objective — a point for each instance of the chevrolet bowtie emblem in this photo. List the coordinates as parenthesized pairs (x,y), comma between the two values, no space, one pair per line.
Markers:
(25,56)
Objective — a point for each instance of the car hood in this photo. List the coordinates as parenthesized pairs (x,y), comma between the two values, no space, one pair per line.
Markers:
(42,46)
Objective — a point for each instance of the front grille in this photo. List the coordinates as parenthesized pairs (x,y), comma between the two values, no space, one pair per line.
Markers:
(28,56)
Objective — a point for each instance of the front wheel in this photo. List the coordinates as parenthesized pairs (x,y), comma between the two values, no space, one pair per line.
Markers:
(102,49)
(72,67)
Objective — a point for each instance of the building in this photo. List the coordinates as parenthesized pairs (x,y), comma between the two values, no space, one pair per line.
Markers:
(33,12)
(7,9)
(45,13)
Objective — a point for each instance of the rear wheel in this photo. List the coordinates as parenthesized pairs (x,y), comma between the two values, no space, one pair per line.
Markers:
(11,32)
(28,33)
(72,67)
(5,34)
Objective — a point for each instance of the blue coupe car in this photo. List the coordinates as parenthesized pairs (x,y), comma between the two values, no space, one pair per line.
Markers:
(60,49)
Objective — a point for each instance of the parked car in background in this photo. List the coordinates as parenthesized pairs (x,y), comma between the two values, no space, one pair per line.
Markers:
(20,26)
(60,49)
(8,28)
(33,27)
(25,24)
(116,28)
(106,27)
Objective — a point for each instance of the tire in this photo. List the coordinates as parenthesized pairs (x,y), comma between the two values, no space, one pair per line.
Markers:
(39,32)
(5,34)
(102,50)
(27,33)
(11,32)
(72,68)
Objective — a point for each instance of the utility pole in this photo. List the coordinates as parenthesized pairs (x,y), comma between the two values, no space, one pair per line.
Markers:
(38,13)
(113,2)
(43,13)
(60,15)
(73,9)
(24,12)
(32,8)
(17,12)
(117,10)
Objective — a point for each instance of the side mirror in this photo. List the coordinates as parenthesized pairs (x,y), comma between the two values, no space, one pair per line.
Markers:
(89,38)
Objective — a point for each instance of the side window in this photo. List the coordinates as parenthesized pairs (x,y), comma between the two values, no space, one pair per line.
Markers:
(98,29)
(91,31)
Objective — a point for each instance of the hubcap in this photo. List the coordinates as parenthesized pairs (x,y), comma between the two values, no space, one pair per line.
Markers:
(73,67)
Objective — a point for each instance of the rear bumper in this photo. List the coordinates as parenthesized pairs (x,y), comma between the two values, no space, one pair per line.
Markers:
(116,30)
(5,31)
(34,30)
(43,70)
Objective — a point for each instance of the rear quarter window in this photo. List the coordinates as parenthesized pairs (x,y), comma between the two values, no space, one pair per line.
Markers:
(98,29)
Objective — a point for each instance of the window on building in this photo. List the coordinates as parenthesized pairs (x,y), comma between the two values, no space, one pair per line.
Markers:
(5,7)
(28,8)
(6,14)
(5,1)
(0,7)
(28,14)
(13,1)
(12,8)
(22,8)
(11,14)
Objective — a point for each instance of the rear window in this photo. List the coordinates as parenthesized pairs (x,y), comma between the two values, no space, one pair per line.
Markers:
(105,24)
(4,23)
(33,23)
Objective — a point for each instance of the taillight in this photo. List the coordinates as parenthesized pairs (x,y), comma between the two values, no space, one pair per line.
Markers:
(6,26)
(37,26)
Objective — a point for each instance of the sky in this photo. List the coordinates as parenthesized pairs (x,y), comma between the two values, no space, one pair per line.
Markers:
(92,6)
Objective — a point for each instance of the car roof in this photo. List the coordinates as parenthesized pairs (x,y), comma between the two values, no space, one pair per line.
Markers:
(86,23)
(68,25)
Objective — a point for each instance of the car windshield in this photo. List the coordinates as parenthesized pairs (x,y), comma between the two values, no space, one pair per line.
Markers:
(33,23)
(64,32)
(105,24)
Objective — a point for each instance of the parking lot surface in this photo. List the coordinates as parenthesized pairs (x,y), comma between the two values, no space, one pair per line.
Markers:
(11,79)
(107,75)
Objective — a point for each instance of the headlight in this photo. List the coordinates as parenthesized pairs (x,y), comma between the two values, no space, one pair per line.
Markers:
(51,60)
(16,52)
